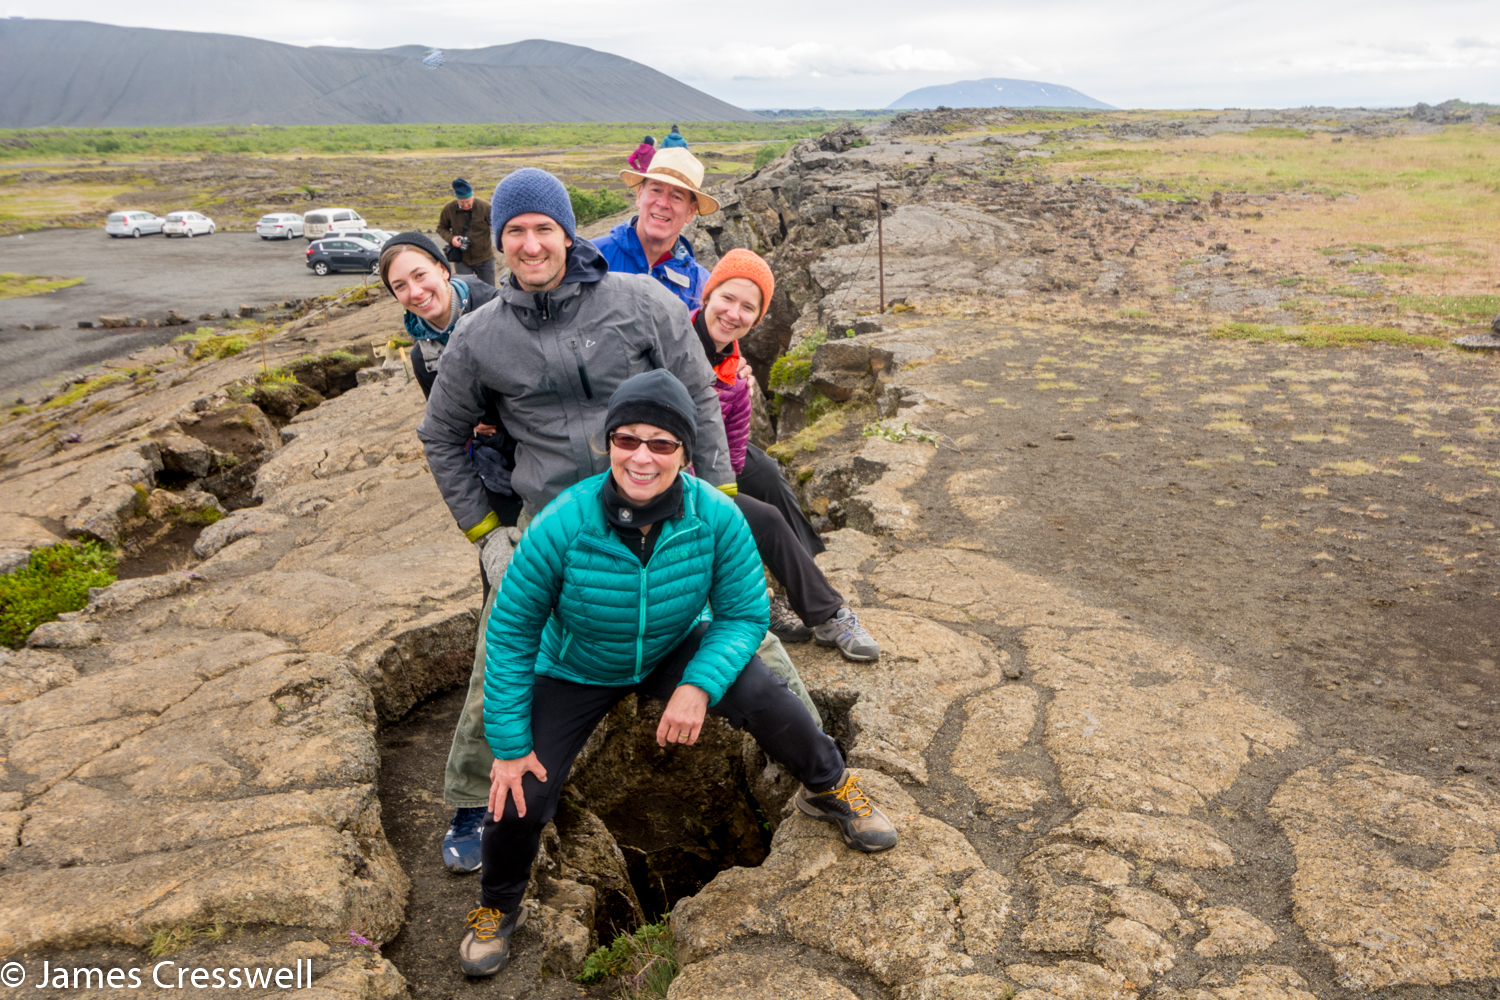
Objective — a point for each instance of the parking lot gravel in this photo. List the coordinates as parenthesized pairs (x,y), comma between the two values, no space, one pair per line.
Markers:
(137,278)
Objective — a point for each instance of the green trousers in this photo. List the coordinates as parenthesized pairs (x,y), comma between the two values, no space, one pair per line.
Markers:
(466,779)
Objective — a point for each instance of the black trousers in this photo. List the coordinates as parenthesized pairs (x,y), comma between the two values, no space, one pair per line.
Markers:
(807,590)
(761,479)
(564,714)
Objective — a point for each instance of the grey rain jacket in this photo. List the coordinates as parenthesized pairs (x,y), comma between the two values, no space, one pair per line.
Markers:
(554,359)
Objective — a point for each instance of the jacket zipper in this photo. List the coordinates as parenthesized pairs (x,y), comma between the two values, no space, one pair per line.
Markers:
(583,376)
(640,628)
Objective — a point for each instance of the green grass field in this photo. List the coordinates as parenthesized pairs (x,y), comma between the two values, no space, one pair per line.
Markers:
(40,144)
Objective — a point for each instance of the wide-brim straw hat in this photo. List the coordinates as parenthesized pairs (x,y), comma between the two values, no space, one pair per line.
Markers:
(679,168)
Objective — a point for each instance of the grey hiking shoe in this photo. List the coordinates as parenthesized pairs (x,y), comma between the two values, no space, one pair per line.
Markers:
(844,631)
(785,625)
(485,947)
(865,828)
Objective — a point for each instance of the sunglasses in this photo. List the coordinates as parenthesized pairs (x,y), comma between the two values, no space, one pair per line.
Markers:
(629,442)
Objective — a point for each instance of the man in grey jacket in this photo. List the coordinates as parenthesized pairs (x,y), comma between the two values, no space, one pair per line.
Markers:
(561,336)
(554,344)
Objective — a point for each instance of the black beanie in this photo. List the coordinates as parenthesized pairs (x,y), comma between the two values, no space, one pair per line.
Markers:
(657,398)
(422,242)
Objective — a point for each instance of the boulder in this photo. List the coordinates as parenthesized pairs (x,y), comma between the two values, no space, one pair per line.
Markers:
(114,322)
(63,635)
(843,370)
(186,455)
(240,524)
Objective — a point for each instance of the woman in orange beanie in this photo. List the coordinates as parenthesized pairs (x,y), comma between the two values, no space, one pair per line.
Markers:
(736,297)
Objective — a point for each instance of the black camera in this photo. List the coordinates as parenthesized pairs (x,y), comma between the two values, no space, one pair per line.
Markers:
(462,241)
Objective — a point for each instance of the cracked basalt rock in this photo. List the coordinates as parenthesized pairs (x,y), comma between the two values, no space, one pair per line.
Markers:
(26,673)
(1166,746)
(1134,950)
(951,987)
(737,976)
(1232,931)
(1145,907)
(1071,981)
(999,722)
(1253,982)
(1397,875)
(1159,838)
(240,524)
(890,914)
(899,703)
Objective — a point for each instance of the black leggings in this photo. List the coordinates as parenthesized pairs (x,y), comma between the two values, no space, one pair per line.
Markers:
(807,590)
(564,714)
(761,479)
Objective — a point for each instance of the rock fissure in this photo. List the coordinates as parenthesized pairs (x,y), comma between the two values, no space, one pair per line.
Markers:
(1156,808)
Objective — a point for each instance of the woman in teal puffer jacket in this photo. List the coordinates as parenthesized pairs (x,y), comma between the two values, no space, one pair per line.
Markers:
(608,594)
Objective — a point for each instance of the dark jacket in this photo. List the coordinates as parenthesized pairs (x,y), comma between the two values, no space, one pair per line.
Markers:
(475,224)
(554,358)
(578,605)
(734,392)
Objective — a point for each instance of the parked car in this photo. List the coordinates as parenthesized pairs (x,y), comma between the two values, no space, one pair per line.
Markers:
(279,226)
(328,255)
(133,223)
(374,237)
(187,224)
(317,223)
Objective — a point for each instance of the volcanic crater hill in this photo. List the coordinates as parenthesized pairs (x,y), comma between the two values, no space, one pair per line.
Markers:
(1101,796)
(118,76)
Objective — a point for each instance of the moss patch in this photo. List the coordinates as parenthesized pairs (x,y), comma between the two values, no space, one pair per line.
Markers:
(1323,336)
(56,580)
(16,286)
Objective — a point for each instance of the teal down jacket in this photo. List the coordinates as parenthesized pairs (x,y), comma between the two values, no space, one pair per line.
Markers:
(577,605)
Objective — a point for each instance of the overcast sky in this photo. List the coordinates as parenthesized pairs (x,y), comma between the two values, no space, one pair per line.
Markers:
(1148,54)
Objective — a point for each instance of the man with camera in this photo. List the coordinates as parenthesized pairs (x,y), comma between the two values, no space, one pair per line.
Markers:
(464,231)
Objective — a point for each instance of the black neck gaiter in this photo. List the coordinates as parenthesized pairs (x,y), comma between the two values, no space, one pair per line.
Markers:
(628,518)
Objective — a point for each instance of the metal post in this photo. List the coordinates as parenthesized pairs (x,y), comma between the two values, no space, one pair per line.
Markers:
(880,245)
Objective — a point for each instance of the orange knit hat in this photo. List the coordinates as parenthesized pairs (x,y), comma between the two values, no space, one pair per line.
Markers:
(748,265)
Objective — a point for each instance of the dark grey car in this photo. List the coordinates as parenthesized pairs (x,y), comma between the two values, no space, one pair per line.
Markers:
(324,256)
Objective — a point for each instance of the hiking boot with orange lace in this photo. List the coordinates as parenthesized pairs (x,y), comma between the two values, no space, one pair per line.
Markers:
(865,828)
(486,945)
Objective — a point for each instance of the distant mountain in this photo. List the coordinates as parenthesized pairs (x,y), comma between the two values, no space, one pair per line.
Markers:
(996,92)
(81,73)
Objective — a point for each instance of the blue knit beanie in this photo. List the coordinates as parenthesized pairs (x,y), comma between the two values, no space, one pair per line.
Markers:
(530,190)
(463,189)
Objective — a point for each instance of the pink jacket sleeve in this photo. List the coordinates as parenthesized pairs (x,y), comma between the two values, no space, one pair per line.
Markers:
(734,400)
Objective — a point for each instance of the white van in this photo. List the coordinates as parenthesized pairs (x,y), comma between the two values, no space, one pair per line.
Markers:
(315,224)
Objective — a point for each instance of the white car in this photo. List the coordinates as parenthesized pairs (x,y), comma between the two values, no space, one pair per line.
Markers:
(279,226)
(317,223)
(133,223)
(187,224)
(374,237)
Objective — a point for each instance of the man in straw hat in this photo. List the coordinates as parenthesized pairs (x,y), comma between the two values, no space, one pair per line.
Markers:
(667,196)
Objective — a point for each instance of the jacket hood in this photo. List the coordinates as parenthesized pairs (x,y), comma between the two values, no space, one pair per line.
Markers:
(586,266)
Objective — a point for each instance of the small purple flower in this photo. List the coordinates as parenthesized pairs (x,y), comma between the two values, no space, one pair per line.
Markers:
(360,941)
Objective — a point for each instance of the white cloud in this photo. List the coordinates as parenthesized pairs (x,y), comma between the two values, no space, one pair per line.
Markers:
(768,62)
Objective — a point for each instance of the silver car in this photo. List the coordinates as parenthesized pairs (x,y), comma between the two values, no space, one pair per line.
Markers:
(279,226)
(187,224)
(133,223)
(375,237)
